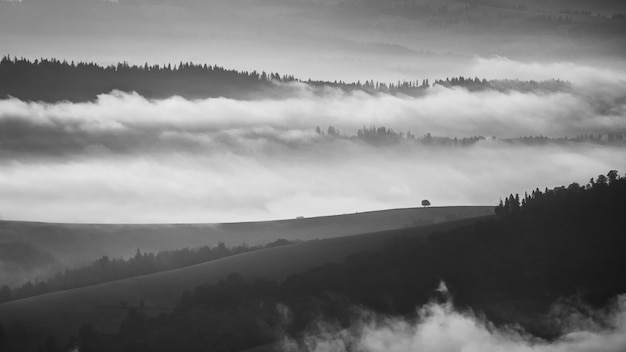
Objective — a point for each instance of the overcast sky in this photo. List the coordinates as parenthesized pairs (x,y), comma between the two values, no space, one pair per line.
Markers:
(382,40)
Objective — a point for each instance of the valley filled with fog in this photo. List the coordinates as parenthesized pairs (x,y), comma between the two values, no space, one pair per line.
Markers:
(312,151)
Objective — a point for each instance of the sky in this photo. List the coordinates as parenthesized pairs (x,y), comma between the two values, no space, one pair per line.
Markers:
(124,158)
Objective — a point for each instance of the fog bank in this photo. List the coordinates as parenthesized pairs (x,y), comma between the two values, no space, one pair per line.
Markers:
(343,177)
(124,158)
(122,122)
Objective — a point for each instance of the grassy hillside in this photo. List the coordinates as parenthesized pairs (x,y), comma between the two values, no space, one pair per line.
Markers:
(105,305)
(76,244)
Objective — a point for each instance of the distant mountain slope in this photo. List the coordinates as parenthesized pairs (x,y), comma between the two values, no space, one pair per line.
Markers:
(76,244)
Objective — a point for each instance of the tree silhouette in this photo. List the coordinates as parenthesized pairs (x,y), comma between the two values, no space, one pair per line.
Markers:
(425,203)
(613,176)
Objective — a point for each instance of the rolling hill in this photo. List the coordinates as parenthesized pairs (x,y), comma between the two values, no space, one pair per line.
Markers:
(542,262)
(105,305)
(511,268)
(73,245)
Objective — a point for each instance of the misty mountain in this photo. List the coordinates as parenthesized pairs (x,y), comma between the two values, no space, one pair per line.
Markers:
(553,244)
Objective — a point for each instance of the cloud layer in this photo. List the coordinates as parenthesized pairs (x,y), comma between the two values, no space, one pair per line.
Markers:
(121,122)
(343,177)
(124,158)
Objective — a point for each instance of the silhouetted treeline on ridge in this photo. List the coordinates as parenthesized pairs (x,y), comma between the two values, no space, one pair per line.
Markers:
(562,242)
(381,135)
(575,191)
(477,84)
(105,269)
(53,80)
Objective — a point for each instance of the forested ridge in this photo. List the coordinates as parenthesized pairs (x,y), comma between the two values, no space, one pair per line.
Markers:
(557,243)
(53,80)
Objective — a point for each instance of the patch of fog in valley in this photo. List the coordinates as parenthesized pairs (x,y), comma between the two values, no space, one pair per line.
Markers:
(342,177)
(440,327)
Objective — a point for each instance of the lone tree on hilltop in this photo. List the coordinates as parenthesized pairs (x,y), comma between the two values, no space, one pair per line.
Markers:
(425,203)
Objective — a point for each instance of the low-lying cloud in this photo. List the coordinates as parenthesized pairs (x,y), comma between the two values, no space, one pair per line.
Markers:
(124,158)
(121,121)
(343,177)
(500,67)
(441,328)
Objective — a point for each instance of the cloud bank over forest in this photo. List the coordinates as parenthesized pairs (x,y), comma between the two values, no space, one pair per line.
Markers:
(342,177)
(499,67)
(124,158)
(124,122)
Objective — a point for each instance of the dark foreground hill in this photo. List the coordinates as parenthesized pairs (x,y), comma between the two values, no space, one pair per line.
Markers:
(540,248)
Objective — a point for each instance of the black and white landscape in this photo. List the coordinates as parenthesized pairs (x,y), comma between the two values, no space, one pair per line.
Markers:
(312,175)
